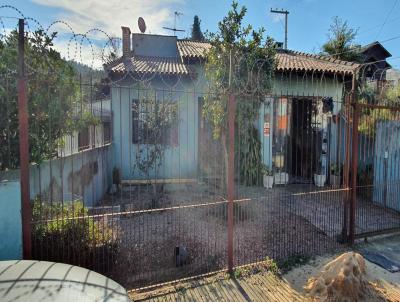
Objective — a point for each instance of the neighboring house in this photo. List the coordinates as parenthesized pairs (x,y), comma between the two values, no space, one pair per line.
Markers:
(172,71)
(92,136)
(376,67)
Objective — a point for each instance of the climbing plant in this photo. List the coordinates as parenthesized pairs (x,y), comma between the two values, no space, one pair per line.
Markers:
(240,62)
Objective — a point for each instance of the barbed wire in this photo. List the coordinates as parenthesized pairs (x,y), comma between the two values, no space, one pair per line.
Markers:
(83,46)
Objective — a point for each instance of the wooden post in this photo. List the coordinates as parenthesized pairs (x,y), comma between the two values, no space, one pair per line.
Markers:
(24,144)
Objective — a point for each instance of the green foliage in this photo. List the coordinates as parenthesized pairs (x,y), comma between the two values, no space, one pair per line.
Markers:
(370,117)
(160,119)
(52,94)
(237,273)
(266,170)
(197,34)
(336,169)
(341,41)
(293,262)
(250,156)
(240,60)
(65,233)
(272,266)
(61,222)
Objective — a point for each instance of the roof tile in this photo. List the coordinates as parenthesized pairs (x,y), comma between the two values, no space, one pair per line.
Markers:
(286,60)
(151,65)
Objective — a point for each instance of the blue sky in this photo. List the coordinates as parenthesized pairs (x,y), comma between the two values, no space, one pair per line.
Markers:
(309,20)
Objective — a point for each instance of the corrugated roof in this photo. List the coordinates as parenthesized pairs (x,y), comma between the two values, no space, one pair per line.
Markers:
(150,65)
(192,49)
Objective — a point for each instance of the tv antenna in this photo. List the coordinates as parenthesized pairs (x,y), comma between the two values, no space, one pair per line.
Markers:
(174,29)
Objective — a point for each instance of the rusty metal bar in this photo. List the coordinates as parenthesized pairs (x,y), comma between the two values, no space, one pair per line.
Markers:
(354,167)
(231,177)
(373,106)
(346,172)
(24,144)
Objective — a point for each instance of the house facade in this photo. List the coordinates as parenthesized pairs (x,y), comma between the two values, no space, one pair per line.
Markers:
(167,69)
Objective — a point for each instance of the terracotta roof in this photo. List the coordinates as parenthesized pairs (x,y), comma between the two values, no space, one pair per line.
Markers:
(287,60)
(192,49)
(150,65)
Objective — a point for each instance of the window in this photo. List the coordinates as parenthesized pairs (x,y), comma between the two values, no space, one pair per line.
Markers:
(107,132)
(154,123)
(83,139)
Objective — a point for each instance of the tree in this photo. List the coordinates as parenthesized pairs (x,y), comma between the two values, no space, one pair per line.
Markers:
(240,61)
(158,125)
(197,35)
(340,43)
(52,95)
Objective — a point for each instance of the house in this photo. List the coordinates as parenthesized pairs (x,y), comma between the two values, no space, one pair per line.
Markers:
(375,54)
(169,69)
(91,136)
(374,71)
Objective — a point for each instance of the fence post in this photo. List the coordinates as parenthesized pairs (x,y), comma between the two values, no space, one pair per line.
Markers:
(231,177)
(354,162)
(354,167)
(346,172)
(23,144)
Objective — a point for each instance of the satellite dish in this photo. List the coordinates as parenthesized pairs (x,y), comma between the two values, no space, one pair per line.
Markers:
(142,25)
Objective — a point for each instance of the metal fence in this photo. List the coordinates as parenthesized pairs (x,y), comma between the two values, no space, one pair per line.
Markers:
(139,182)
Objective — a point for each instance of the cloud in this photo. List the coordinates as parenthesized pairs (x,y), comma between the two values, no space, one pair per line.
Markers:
(109,15)
(80,16)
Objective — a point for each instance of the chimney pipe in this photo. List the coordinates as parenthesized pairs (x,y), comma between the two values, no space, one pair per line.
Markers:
(126,41)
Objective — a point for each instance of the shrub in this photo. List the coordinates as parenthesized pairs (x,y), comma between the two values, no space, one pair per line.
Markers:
(65,233)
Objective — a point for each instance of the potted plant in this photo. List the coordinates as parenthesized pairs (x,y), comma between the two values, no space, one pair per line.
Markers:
(336,170)
(320,177)
(268,176)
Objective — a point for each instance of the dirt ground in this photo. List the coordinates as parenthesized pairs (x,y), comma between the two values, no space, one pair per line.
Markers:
(276,223)
(264,286)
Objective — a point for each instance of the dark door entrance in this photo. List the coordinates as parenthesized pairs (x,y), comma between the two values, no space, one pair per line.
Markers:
(304,140)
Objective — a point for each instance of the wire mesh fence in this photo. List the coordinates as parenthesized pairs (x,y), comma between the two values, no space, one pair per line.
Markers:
(132,174)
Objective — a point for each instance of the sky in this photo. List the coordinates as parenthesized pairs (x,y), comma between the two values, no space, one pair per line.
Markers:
(308,22)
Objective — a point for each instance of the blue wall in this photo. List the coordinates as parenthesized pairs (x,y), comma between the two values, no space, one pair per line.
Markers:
(10,220)
(179,161)
(86,175)
(266,113)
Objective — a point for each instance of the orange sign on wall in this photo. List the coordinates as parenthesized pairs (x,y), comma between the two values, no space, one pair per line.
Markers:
(282,122)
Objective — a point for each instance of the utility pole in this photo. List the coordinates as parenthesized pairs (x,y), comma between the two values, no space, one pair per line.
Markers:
(286,13)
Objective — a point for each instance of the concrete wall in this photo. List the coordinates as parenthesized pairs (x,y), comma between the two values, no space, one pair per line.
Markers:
(149,45)
(10,220)
(87,175)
